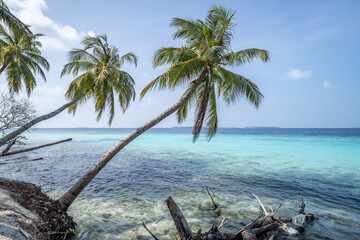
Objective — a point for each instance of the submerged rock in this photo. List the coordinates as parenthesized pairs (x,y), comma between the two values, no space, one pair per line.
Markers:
(25,211)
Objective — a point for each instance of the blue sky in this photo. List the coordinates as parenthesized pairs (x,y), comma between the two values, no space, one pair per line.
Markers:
(312,79)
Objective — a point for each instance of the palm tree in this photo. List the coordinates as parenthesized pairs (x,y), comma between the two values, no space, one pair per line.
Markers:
(21,59)
(101,79)
(200,65)
(12,21)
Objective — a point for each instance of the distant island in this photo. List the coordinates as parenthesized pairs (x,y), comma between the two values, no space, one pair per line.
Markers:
(232,127)
(260,127)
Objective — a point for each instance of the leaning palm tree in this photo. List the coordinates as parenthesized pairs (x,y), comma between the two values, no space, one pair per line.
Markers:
(199,65)
(101,79)
(12,21)
(21,59)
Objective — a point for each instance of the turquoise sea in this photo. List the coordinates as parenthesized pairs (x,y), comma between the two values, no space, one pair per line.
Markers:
(278,165)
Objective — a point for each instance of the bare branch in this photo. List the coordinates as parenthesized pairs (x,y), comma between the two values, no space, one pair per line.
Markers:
(251,223)
(34,148)
(149,231)
(302,206)
(224,221)
(216,208)
(276,210)
(262,206)
(14,113)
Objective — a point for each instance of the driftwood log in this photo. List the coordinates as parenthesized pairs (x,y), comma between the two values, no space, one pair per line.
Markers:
(266,226)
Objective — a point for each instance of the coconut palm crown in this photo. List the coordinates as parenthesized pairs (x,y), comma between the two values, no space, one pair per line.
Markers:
(207,48)
(98,64)
(21,59)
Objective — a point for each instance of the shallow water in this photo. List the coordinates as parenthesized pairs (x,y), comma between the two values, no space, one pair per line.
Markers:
(279,165)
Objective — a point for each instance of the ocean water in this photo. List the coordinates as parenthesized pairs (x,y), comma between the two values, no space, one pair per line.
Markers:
(278,165)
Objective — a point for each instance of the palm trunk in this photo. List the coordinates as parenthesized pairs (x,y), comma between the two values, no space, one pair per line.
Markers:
(37,120)
(67,199)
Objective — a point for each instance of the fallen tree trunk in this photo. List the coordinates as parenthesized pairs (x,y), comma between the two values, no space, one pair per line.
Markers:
(34,148)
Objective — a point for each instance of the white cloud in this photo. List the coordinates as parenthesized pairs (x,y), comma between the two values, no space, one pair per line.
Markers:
(146,75)
(328,85)
(58,36)
(53,43)
(298,74)
(91,33)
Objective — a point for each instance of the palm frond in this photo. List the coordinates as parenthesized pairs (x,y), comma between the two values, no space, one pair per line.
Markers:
(173,56)
(211,116)
(128,58)
(233,87)
(13,22)
(245,56)
(21,59)
(176,75)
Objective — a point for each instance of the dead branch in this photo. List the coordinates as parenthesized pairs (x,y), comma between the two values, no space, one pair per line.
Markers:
(302,206)
(216,208)
(262,206)
(261,230)
(31,160)
(149,231)
(249,225)
(34,148)
(270,228)
(223,222)
(276,210)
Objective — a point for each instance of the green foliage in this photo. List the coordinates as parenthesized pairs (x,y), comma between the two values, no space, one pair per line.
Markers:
(97,67)
(11,21)
(207,46)
(21,59)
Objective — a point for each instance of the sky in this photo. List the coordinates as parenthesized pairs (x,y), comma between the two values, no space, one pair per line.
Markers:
(312,79)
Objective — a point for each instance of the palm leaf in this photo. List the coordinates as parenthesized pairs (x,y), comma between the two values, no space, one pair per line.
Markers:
(211,118)
(233,86)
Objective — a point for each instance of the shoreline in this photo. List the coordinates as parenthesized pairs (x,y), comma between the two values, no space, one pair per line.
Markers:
(28,213)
